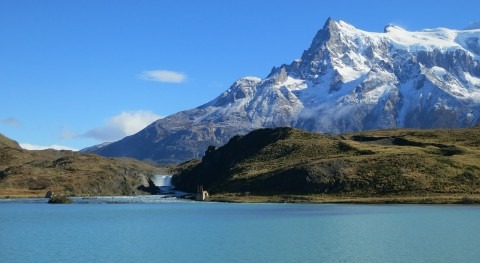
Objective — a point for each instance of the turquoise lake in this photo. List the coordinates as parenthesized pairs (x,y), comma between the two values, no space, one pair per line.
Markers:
(33,231)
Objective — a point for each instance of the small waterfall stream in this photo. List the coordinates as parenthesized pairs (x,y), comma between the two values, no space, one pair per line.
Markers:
(163,182)
(165,186)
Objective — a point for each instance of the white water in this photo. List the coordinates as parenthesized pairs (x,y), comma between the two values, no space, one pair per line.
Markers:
(161,180)
(165,186)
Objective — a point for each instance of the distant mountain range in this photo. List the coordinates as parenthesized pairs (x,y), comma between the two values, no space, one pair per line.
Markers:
(348,80)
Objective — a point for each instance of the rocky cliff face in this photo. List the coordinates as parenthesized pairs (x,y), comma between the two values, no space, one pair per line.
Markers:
(348,80)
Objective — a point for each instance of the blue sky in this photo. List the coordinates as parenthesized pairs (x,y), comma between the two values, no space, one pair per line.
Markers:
(77,73)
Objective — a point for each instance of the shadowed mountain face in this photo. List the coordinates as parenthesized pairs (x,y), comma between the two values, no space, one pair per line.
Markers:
(347,80)
(33,173)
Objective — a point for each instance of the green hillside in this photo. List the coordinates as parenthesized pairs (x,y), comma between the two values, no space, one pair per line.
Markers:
(26,173)
(373,164)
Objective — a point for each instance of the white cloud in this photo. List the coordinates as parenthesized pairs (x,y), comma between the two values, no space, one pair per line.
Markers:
(163,76)
(121,125)
(28,146)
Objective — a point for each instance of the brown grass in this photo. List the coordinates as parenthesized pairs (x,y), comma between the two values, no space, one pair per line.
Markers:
(368,164)
(332,199)
(33,173)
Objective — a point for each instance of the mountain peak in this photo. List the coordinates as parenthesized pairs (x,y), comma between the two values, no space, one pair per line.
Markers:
(334,25)
(391,27)
(348,80)
(331,27)
(322,36)
(329,22)
(324,33)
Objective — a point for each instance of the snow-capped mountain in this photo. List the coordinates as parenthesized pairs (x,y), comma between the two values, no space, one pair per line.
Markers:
(348,80)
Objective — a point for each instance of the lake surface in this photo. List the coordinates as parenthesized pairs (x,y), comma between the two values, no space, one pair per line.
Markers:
(157,231)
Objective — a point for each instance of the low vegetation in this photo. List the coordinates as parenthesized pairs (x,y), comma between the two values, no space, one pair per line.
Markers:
(274,165)
(33,173)
(399,164)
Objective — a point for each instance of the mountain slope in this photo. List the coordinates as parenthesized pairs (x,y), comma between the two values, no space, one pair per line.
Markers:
(348,80)
(374,163)
(8,143)
(33,173)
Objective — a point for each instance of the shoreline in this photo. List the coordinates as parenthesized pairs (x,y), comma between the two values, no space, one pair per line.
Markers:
(427,199)
(473,199)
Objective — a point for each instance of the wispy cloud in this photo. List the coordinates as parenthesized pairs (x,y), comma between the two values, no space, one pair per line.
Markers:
(121,125)
(67,134)
(28,146)
(163,76)
(10,122)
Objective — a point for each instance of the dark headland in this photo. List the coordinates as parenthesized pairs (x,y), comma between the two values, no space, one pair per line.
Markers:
(382,166)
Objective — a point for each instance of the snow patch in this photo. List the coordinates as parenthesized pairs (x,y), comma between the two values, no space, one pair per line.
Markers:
(428,39)
(294,84)
(349,74)
(252,78)
(438,71)
(474,80)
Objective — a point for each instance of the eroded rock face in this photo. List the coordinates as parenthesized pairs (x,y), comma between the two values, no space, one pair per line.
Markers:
(347,80)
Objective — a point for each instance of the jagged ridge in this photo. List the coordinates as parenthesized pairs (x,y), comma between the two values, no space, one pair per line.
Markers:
(348,80)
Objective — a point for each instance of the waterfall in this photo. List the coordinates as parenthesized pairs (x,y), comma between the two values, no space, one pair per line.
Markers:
(165,186)
(161,180)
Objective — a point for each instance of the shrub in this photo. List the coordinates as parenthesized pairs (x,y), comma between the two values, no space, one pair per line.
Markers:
(468,201)
(60,200)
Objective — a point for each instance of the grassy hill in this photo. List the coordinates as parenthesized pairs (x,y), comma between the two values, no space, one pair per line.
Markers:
(26,173)
(389,164)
